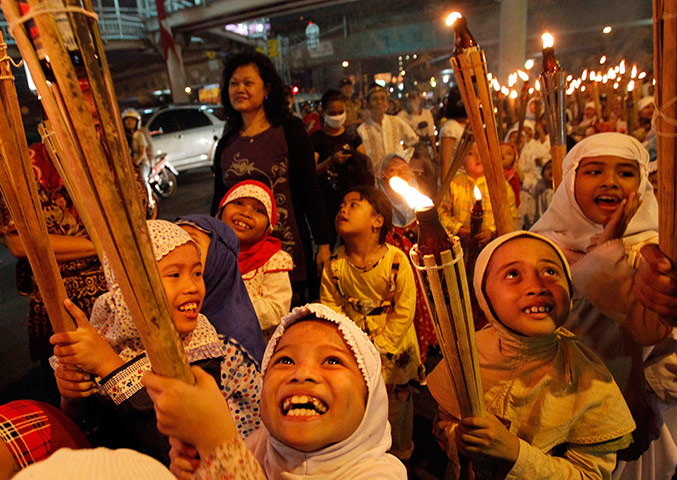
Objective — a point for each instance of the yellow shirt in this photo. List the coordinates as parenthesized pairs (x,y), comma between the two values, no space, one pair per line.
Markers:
(391,331)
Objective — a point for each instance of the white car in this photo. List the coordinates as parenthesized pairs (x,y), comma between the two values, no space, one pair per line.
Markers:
(186,133)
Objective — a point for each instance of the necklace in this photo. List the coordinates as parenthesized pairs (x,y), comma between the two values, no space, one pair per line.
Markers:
(371,261)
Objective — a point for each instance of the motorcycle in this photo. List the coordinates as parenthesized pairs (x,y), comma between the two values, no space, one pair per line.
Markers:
(162,177)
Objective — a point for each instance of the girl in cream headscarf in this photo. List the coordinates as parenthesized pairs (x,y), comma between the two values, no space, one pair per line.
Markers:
(324,408)
(601,215)
(561,413)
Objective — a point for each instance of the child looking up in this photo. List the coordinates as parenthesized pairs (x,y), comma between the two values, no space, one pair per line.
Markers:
(373,284)
(601,215)
(249,208)
(457,203)
(110,349)
(323,409)
(565,414)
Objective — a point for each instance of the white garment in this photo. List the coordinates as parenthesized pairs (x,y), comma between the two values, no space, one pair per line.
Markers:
(452,129)
(566,224)
(269,289)
(414,120)
(96,464)
(361,456)
(389,137)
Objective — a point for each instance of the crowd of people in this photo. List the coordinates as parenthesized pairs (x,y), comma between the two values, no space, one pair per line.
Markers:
(575,318)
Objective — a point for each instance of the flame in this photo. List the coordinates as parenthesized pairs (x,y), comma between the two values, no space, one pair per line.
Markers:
(602,60)
(622,66)
(583,88)
(616,86)
(605,79)
(631,85)
(548,40)
(633,72)
(505,91)
(571,89)
(522,75)
(512,79)
(570,78)
(495,84)
(537,85)
(611,73)
(599,77)
(529,64)
(453,16)
(477,193)
(531,91)
(513,94)
(489,76)
(641,75)
(413,197)
(592,75)
(584,75)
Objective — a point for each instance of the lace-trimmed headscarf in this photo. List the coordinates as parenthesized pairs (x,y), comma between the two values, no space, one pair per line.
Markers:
(362,455)
(112,319)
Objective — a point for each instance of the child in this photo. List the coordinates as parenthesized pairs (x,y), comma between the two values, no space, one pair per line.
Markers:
(509,156)
(457,203)
(249,208)
(603,212)
(373,284)
(110,349)
(316,356)
(565,415)
(226,305)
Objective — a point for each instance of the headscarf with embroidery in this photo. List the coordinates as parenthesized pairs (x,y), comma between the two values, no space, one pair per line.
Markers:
(361,456)
(227,304)
(112,319)
(564,221)
(552,389)
(259,253)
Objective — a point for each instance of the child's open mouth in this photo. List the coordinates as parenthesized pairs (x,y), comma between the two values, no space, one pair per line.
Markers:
(608,201)
(303,406)
(537,309)
(242,225)
(189,308)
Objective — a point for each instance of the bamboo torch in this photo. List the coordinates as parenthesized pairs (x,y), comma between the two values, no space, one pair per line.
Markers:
(462,148)
(81,106)
(665,68)
(439,265)
(17,182)
(553,88)
(470,70)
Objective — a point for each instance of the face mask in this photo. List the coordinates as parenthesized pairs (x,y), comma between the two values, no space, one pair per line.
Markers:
(335,121)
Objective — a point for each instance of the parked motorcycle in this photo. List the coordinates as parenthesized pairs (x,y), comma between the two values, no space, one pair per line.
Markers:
(162,177)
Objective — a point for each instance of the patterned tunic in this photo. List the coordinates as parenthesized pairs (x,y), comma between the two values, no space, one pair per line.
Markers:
(83,278)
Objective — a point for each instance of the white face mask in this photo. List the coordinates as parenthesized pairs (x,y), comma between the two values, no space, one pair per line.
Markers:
(335,121)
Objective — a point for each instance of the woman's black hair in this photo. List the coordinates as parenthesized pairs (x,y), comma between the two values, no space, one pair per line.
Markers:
(331,95)
(379,202)
(454,107)
(274,105)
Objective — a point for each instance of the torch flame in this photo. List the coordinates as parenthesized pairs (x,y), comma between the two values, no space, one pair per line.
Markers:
(477,193)
(631,85)
(548,40)
(453,16)
(522,75)
(641,75)
(611,73)
(583,88)
(537,85)
(602,60)
(513,94)
(584,75)
(413,197)
(592,75)
(633,72)
(505,91)
(512,79)
(622,67)
(495,84)
(529,64)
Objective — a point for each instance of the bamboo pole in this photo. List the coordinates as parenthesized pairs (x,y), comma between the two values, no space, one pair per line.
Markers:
(99,167)
(462,149)
(17,182)
(470,70)
(665,68)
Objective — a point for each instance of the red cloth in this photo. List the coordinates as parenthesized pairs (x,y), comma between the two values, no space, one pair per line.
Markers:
(32,431)
(514,181)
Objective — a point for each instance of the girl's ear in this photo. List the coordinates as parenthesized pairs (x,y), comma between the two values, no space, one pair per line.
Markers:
(377,221)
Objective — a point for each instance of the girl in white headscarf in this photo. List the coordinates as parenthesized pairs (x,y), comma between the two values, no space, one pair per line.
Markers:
(561,414)
(318,364)
(111,350)
(602,213)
